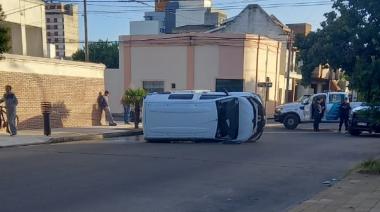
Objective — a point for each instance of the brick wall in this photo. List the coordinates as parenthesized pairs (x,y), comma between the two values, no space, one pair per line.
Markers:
(73,98)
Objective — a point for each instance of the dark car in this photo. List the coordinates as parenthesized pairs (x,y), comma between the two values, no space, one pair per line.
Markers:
(365,119)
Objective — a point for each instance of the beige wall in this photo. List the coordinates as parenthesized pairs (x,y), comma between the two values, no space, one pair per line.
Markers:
(34,38)
(113,81)
(158,63)
(26,19)
(206,67)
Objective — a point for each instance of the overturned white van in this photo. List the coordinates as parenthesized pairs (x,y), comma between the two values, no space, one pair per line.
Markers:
(230,117)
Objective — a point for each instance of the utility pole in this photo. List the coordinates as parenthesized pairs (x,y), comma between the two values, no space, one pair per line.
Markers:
(290,61)
(86,51)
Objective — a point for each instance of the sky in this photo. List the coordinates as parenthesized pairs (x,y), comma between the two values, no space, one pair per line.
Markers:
(108,20)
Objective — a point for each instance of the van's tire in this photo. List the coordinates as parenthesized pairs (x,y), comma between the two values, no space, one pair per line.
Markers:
(355,132)
(256,138)
(291,121)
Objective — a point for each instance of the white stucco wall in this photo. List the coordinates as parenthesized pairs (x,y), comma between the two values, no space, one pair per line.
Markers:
(190,16)
(48,66)
(195,3)
(113,81)
(206,67)
(156,63)
(144,27)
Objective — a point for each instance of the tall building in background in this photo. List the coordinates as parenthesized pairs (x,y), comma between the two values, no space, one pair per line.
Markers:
(62,28)
(160,5)
(173,16)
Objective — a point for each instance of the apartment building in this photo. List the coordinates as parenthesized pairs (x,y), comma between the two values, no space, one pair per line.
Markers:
(62,28)
(26,21)
(173,16)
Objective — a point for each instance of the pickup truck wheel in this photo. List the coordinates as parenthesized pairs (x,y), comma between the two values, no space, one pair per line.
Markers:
(291,121)
(355,132)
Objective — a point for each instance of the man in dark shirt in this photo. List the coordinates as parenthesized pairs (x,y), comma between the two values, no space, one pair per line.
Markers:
(344,112)
(11,102)
(317,114)
(104,105)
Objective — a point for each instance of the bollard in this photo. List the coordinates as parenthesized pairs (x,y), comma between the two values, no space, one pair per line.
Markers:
(46,110)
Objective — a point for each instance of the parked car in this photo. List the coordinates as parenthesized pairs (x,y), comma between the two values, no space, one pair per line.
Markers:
(365,118)
(293,114)
(234,117)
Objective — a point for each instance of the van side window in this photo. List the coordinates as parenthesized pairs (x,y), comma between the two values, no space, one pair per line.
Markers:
(181,96)
(206,97)
(336,98)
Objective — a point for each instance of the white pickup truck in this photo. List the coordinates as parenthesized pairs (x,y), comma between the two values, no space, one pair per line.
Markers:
(292,114)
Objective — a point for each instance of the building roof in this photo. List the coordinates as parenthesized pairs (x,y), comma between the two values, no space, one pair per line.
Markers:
(192,28)
(231,20)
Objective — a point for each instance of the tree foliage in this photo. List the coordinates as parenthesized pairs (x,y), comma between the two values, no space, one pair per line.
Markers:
(135,98)
(101,52)
(349,40)
(4,34)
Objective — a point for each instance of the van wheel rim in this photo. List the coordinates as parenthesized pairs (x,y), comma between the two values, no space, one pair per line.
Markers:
(290,121)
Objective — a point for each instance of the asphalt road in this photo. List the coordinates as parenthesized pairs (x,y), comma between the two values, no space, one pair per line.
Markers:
(127,174)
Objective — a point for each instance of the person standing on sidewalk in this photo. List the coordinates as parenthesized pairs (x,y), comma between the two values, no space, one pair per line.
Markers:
(104,105)
(344,112)
(11,103)
(127,111)
(317,114)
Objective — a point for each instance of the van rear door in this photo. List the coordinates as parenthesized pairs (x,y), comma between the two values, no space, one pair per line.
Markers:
(228,118)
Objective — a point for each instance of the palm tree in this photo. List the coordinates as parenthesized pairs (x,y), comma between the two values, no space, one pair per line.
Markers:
(134,97)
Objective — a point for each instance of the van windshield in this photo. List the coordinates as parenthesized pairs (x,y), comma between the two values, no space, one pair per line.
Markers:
(228,119)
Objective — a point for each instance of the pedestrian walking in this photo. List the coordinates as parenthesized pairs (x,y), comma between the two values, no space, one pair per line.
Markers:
(317,114)
(11,103)
(104,105)
(344,112)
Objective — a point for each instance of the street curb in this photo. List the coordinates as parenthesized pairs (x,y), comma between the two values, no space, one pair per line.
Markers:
(134,132)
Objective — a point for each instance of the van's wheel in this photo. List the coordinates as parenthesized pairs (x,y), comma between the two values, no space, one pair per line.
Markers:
(291,121)
(256,138)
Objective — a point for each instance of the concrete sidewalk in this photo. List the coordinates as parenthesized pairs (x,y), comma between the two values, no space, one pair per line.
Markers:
(356,192)
(31,137)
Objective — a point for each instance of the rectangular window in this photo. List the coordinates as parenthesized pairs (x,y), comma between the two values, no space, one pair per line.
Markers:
(56,46)
(48,27)
(181,96)
(230,85)
(154,86)
(48,20)
(55,26)
(48,33)
(336,98)
(56,40)
(56,33)
(55,20)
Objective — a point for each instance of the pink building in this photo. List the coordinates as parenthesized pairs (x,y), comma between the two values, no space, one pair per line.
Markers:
(202,61)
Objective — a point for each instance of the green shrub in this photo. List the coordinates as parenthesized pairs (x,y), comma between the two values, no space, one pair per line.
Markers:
(370,167)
